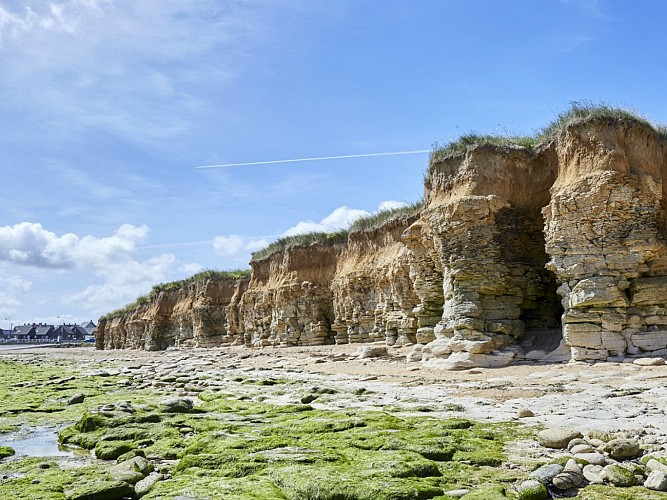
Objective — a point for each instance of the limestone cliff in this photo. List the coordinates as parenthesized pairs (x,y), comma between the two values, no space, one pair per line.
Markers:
(289,298)
(373,294)
(201,313)
(553,249)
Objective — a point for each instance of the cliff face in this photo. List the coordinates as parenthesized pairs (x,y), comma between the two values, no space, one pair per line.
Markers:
(373,294)
(201,314)
(547,253)
(289,298)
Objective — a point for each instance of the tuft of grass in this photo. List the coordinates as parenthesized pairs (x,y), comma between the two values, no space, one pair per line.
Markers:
(578,112)
(474,139)
(583,111)
(298,240)
(374,221)
(208,274)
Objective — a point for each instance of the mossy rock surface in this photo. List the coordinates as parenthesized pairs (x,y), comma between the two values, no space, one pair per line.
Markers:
(6,451)
(101,490)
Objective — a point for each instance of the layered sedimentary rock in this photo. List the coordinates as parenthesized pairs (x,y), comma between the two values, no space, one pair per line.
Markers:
(373,293)
(547,253)
(289,298)
(605,234)
(200,314)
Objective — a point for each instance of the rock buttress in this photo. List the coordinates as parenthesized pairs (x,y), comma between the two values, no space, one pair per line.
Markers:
(605,235)
(289,300)
(373,294)
(478,250)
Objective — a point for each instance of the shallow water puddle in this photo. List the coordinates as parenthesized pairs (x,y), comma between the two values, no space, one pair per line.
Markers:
(43,443)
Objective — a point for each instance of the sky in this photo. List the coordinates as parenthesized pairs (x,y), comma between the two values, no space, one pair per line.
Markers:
(108,106)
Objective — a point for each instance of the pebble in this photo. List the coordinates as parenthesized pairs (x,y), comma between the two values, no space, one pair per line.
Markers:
(457,493)
(592,474)
(76,399)
(649,362)
(533,490)
(592,458)
(581,448)
(524,413)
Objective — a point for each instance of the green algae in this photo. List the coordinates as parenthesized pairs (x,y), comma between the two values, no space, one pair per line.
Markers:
(244,449)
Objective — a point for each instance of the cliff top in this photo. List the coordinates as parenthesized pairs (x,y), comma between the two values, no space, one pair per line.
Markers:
(580,112)
(208,274)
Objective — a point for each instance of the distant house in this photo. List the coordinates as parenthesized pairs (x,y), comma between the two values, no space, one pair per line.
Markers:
(43,333)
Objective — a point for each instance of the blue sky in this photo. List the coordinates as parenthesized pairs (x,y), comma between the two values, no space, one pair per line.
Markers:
(107,107)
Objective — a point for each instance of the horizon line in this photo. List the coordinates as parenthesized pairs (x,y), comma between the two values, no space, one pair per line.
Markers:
(320,158)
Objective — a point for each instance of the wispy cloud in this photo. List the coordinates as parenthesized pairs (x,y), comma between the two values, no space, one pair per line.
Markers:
(130,68)
(595,8)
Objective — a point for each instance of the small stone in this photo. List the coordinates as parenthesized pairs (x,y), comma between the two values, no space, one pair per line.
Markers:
(592,474)
(592,458)
(76,399)
(557,437)
(618,476)
(308,399)
(576,442)
(581,448)
(176,405)
(533,490)
(570,477)
(457,493)
(131,471)
(596,443)
(524,413)
(649,362)
(372,351)
(44,465)
(146,484)
(656,481)
(620,449)
(546,473)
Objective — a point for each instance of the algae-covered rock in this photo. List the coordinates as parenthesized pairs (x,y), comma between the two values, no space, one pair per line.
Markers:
(111,450)
(131,471)
(6,451)
(533,490)
(618,476)
(489,492)
(176,405)
(100,490)
(146,484)
(620,449)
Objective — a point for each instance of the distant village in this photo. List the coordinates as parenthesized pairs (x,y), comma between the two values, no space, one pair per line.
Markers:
(41,333)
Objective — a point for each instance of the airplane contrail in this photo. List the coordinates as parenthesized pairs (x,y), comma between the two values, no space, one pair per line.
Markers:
(295,160)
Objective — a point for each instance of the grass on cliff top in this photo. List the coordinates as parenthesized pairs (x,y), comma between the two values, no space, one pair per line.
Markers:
(314,238)
(369,222)
(374,221)
(173,285)
(578,112)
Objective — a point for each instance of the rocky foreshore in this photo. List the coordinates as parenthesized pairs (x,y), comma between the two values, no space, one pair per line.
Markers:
(273,423)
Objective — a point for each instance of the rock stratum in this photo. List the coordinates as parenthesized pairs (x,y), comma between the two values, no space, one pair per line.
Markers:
(551,252)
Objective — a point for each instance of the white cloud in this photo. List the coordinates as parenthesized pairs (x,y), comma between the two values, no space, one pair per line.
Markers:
(113,260)
(237,247)
(391,205)
(11,293)
(340,218)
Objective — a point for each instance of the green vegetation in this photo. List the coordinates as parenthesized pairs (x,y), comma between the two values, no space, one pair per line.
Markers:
(374,221)
(579,112)
(298,240)
(474,139)
(174,285)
